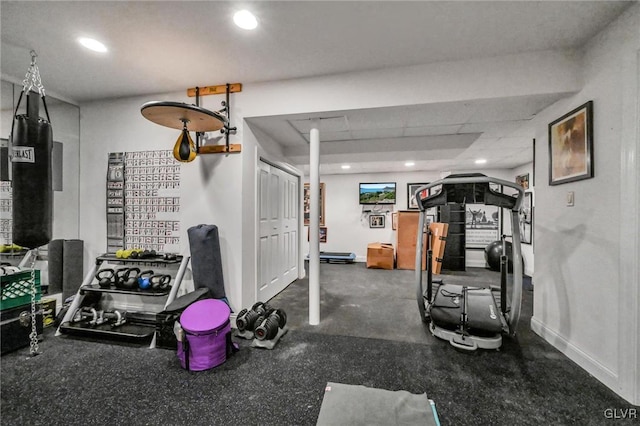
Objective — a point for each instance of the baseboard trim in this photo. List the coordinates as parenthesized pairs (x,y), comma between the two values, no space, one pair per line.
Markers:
(470,263)
(605,375)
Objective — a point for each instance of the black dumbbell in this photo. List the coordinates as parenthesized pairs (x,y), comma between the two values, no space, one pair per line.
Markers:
(248,318)
(267,329)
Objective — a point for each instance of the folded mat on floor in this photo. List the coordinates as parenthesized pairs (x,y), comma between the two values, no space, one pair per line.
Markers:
(359,405)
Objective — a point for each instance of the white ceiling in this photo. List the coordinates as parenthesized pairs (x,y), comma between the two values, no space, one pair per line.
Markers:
(167,46)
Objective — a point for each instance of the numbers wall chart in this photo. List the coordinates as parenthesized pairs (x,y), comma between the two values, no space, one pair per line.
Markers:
(152,201)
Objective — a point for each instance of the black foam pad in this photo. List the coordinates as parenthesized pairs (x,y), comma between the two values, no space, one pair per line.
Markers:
(206,259)
(56,248)
(181,303)
(72,267)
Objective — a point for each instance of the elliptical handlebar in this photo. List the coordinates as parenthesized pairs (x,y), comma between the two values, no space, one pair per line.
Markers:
(441,197)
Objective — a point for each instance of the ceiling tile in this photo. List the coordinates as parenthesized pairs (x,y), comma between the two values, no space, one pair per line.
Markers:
(328,124)
(377,118)
(376,133)
(432,130)
(438,114)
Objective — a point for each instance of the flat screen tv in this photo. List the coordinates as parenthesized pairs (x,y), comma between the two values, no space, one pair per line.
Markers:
(378,193)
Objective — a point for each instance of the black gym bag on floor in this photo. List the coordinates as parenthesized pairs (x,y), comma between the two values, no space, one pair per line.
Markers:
(165,320)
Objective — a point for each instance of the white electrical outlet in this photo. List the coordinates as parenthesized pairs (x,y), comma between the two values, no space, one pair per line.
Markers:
(570,199)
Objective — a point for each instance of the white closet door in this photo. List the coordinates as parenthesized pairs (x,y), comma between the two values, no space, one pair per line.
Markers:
(278,226)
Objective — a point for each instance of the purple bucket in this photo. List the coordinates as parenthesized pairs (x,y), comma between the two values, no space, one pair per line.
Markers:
(207,332)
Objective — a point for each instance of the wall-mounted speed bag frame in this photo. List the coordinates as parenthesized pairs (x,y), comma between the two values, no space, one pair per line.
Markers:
(32,190)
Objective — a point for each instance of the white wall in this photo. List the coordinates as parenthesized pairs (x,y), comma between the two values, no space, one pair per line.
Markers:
(586,299)
(210,186)
(485,78)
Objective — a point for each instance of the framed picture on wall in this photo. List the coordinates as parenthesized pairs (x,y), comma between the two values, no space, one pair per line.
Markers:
(571,146)
(376,221)
(523,180)
(307,206)
(526,219)
(411,198)
(482,224)
(322,232)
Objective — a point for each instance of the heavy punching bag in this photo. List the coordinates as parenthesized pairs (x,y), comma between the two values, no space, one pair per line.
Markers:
(32,190)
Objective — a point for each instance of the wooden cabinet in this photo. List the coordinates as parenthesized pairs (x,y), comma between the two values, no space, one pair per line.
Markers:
(406,240)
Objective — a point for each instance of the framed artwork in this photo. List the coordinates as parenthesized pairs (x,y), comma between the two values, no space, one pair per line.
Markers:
(307,207)
(482,224)
(376,221)
(571,146)
(523,181)
(526,219)
(322,232)
(411,191)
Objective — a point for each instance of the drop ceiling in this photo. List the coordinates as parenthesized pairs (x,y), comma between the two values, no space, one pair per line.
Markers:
(168,46)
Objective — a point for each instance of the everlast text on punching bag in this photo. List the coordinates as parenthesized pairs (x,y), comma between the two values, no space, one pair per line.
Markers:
(31,146)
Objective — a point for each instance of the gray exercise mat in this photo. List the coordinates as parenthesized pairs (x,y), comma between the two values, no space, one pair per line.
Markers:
(360,405)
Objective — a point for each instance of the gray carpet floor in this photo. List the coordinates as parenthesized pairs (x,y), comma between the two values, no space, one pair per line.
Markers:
(370,335)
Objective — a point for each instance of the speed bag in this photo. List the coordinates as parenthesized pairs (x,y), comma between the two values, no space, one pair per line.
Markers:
(32,190)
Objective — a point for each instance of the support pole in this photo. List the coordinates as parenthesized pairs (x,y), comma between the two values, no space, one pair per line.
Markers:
(314,224)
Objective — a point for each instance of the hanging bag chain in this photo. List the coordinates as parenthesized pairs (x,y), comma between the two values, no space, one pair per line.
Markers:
(33,336)
(32,78)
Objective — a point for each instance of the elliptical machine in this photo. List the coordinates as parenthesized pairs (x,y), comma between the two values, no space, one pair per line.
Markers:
(469,317)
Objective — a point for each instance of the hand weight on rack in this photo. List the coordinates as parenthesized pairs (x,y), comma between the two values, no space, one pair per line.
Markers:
(160,282)
(127,278)
(144,279)
(105,277)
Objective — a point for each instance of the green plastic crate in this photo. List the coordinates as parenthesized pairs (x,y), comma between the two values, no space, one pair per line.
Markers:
(16,289)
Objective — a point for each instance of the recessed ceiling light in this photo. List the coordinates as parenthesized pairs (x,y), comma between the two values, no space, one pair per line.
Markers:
(245,20)
(409,164)
(346,166)
(481,161)
(92,44)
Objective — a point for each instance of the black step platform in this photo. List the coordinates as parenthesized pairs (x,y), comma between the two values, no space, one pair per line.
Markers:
(336,257)
(125,332)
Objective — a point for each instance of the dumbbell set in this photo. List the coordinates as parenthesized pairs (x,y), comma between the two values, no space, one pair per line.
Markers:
(132,279)
(262,320)
(138,253)
(95,317)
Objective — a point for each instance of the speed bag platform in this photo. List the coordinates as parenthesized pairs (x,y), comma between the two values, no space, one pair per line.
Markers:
(205,340)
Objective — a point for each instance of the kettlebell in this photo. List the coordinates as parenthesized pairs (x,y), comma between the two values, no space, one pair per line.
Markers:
(144,279)
(105,277)
(127,278)
(119,277)
(160,282)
